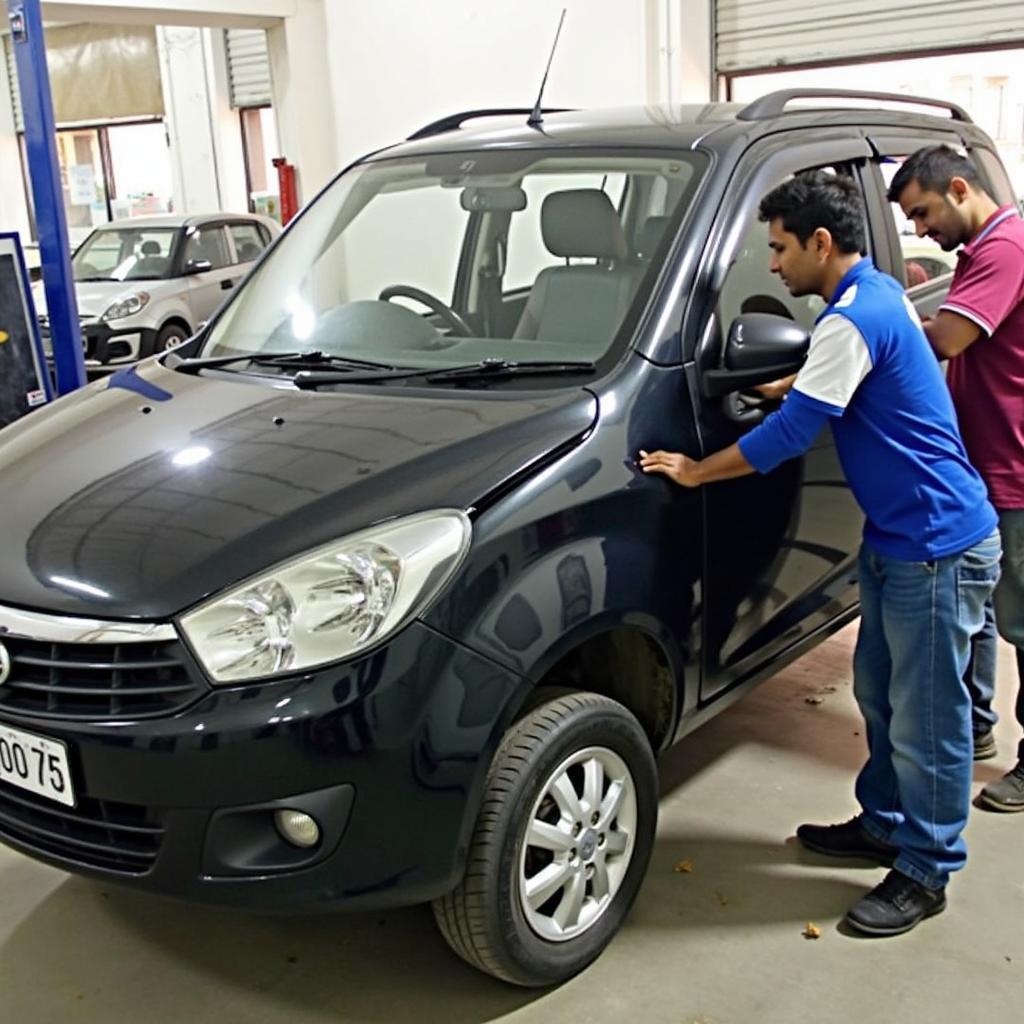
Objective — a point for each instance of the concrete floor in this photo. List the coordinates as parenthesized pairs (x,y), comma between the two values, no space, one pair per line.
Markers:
(722,944)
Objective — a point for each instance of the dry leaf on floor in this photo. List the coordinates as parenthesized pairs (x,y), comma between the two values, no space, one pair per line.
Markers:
(812,931)
(683,867)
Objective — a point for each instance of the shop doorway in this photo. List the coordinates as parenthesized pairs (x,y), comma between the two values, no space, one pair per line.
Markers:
(113,171)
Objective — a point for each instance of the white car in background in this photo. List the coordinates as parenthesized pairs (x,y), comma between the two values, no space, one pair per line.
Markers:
(144,285)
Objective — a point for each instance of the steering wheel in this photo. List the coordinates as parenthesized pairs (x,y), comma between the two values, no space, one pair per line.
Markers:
(452,319)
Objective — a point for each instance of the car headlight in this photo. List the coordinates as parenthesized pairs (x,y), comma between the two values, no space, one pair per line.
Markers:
(330,603)
(126,307)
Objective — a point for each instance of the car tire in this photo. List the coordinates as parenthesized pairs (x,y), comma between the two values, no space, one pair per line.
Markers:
(169,336)
(502,918)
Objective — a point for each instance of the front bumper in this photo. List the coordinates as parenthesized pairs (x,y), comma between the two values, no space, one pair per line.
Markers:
(106,346)
(388,752)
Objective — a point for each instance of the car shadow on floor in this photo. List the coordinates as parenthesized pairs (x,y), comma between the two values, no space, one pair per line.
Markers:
(101,954)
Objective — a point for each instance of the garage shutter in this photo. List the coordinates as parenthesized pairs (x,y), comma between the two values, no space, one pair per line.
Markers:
(119,62)
(12,81)
(248,67)
(760,34)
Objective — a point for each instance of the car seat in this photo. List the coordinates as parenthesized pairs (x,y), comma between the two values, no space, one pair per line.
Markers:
(248,251)
(150,262)
(580,303)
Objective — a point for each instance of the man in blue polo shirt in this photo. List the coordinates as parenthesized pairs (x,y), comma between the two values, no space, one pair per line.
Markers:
(930,554)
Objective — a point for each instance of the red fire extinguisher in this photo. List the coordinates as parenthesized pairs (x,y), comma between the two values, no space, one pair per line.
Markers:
(286,185)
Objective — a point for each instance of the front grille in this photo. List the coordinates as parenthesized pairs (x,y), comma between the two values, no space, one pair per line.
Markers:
(114,837)
(96,680)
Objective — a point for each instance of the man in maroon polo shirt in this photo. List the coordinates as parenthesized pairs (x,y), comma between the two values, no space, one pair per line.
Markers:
(980,330)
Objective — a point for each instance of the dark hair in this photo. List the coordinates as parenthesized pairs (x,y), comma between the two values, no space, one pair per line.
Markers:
(817,199)
(933,168)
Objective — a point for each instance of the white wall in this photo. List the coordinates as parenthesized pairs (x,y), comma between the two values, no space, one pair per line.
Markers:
(397,65)
(301,51)
(353,75)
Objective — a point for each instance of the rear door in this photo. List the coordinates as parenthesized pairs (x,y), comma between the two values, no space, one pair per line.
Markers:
(781,548)
(920,263)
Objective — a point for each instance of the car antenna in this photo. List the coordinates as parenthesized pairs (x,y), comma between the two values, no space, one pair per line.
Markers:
(536,119)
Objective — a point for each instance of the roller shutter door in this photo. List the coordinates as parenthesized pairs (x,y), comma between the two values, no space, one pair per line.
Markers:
(120,64)
(763,34)
(248,67)
(12,82)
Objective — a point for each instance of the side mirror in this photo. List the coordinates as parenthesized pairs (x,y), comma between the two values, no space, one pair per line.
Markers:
(761,347)
(198,266)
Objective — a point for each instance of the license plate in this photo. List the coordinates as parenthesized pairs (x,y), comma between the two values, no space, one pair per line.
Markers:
(35,763)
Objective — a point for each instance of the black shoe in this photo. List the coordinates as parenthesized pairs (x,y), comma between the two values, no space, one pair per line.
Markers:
(984,745)
(895,905)
(850,839)
(1007,793)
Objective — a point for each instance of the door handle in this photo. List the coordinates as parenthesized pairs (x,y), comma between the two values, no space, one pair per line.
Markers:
(226,284)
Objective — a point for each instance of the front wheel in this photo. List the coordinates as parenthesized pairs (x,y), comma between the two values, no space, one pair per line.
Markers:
(561,844)
(169,336)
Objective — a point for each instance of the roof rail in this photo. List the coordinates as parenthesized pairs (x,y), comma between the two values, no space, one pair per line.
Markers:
(776,102)
(453,121)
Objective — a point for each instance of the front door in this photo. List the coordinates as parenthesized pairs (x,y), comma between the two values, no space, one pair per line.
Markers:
(208,288)
(782,547)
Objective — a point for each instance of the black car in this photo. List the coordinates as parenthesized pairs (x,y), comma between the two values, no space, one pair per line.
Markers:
(359,598)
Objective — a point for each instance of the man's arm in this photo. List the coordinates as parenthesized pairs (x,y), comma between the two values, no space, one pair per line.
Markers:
(687,472)
(984,293)
(950,333)
(837,362)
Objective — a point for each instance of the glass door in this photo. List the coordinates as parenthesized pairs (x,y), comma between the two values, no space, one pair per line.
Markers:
(83,181)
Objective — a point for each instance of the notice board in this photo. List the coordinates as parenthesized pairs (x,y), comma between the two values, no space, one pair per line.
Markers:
(24,377)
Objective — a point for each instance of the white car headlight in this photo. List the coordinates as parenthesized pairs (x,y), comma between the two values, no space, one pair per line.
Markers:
(330,603)
(126,307)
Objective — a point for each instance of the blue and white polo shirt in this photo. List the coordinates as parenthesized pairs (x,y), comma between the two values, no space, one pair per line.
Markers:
(871,374)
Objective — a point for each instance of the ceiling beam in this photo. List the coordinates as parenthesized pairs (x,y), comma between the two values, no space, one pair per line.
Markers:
(202,13)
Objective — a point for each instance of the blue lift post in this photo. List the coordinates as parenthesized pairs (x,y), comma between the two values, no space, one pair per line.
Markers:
(44,171)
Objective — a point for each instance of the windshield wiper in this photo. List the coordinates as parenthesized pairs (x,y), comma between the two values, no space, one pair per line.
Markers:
(486,369)
(292,360)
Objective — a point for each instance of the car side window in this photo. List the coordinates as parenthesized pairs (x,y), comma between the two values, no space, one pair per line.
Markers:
(208,243)
(248,241)
(924,260)
(751,287)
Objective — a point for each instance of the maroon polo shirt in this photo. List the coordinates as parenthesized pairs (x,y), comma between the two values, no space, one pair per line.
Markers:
(987,378)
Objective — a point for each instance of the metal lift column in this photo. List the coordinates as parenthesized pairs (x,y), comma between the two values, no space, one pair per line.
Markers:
(47,194)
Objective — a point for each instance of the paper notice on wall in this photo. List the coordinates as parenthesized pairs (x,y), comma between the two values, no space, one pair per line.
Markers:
(82,184)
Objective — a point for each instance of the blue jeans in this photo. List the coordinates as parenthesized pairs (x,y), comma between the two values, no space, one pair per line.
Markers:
(980,676)
(917,620)
(1008,598)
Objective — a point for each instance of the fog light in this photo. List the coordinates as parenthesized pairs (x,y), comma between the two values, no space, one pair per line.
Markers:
(297,827)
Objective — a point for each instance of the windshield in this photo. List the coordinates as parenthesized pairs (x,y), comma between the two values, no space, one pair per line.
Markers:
(125,254)
(452,259)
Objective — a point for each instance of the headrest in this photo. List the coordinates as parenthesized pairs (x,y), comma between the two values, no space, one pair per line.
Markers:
(650,236)
(582,222)
(765,304)
(150,248)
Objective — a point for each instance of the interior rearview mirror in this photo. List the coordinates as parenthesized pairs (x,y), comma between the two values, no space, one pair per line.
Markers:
(499,198)
(761,347)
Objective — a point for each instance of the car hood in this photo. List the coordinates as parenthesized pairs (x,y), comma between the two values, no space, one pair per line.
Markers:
(94,298)
(145,492)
